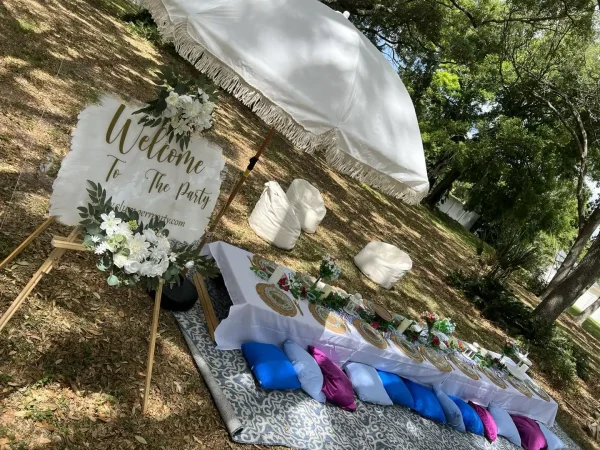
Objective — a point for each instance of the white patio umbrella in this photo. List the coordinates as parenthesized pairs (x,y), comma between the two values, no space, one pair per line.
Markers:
(311,75)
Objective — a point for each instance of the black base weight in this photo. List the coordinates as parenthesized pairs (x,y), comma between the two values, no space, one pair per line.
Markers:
(177,298)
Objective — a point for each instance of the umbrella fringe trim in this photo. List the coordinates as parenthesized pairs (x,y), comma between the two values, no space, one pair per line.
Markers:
(223,76)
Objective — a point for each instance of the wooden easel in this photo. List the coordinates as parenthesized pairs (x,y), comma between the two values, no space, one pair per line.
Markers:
(61,245)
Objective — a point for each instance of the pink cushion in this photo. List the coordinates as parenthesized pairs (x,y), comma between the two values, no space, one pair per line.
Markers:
(532,437)
(336,385)
(490,429)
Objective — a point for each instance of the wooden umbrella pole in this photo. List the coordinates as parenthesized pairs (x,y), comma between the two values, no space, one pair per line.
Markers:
(26,242)
(152,345)
(45,268)
(237,188)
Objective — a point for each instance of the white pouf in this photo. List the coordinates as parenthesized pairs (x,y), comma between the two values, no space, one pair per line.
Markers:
(307,203)
(383,263)
(273,218)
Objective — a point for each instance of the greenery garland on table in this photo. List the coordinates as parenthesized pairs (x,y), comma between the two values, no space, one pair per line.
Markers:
(134,253)
(182,107)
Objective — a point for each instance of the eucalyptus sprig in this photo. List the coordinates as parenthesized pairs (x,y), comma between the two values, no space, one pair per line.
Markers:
(132,252)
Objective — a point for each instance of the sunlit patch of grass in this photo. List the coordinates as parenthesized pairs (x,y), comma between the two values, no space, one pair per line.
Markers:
(25,26)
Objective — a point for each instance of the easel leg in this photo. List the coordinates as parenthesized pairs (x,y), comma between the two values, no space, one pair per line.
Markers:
(26,242)
(45,268)
(209,312)
(153,333)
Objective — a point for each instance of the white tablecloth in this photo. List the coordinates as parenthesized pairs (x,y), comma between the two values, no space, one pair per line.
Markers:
(250,319)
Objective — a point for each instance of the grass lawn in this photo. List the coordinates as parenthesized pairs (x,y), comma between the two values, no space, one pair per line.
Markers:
(72,360)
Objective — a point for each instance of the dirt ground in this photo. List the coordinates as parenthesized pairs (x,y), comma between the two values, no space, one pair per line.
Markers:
(72,360)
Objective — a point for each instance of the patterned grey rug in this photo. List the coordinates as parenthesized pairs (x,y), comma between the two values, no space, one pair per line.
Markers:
(293,419)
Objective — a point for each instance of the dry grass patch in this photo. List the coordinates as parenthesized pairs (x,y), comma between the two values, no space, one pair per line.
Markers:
(72,360)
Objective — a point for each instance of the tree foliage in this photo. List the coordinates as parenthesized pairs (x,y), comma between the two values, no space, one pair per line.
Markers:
(507,93)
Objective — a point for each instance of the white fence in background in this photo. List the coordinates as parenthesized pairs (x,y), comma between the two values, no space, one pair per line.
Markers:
(454,208)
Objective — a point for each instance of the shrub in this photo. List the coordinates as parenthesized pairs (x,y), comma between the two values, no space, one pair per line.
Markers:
(142,24)
(582,362)
(555,358)
(553,349)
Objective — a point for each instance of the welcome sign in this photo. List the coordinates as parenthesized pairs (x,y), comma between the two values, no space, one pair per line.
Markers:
(140,169)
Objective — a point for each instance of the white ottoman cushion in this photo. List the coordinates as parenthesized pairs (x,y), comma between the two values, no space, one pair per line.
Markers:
(383,263)
(273,218)
(307,203)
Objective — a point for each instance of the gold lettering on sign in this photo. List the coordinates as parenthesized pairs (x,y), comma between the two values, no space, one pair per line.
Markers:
(154,144)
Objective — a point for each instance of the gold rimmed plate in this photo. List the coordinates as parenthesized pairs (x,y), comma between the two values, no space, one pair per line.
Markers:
(329,319)
(519,385)
(276,299)
(537,390)
(369,334)
(436,358)
(494,377)
(407,348)
(463,366)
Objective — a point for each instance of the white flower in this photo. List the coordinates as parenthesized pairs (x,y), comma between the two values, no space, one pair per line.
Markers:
(193,109)
(101,248)
(132,266)
(124,230)
(203,95)
(170,111)
(119,260)
(138,247)
(173,257)
(162,267)
(163,244)
(183,99)
(150,235)
(189,264)
(95,239)
(173,99)
(180,125)
(146,269)
(110,223)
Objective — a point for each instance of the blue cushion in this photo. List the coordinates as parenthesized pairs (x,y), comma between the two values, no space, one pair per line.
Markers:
(426,403)
(367,384)
(270,366)
(395,388)
(506,426)
(470,417)
(306,368)
(553,441)
(451,410)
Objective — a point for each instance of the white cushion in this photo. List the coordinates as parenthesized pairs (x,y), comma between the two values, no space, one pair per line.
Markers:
(367,384)
(273,218)
(307,203)
(383,263)
(308,371)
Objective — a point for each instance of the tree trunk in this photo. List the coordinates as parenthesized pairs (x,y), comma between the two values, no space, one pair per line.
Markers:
(587,312)
(566,293)
(440,189)
(584,235)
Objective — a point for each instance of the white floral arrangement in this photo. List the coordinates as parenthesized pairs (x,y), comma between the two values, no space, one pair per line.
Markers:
(132,252)
(184,108)
(328,270)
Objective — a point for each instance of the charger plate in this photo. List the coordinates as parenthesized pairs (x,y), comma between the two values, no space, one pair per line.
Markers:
(436,358)
(329,319)
(275,299)
(463,366)
(407,348)
(369,334)
(494,377)
(537,390)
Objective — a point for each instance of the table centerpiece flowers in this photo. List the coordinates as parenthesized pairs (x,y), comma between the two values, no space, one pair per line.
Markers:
(328,270)
(430,318)
(131,252)
(445,326)
(509,348)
